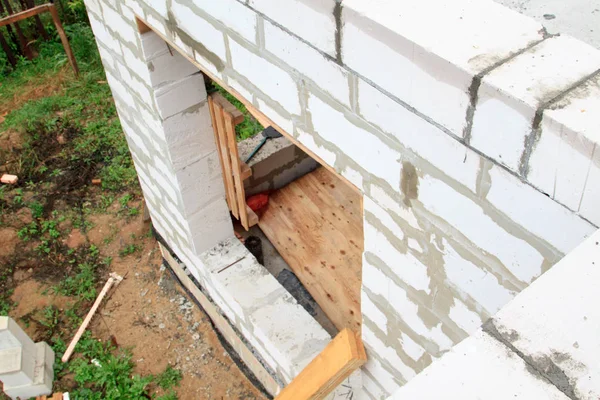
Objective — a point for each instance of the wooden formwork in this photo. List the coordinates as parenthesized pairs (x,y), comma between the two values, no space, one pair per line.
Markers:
(225,117)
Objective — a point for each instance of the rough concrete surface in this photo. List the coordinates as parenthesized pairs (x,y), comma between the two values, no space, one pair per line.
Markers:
(578,18)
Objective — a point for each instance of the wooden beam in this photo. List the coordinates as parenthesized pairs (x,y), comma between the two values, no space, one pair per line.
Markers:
(237,115)
(246,170)
(236,169)
(342,356)
(11,19)
(252,217)
(226,158)
(63,38)
(213,116)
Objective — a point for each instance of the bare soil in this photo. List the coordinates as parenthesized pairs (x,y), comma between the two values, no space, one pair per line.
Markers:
(148,312)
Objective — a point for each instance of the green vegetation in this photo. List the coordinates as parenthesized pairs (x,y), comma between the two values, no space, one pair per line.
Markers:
(250,126)
(128,250)
(69,136)
(105,372)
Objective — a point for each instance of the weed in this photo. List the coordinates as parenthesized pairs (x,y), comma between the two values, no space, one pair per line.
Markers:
(37,209)
(169,378)
(128,250)
(50,318)
(81,284)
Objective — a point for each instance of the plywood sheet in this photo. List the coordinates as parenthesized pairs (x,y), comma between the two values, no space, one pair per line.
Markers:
(316,225)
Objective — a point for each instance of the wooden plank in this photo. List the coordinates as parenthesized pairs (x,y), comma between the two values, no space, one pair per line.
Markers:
(63,38)
(235,168)
(11,19)
(142,27)
(316,224)
(252,217)
(246,170)
(213,117)
(226,159)
(237,115)
(342,356)
(260,117)
(246,354)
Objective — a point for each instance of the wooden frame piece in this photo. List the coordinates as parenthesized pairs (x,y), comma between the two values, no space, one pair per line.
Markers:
(342,356)
(225,117)
(51,8)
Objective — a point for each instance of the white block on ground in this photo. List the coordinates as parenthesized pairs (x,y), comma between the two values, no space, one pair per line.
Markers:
(11,335)
(16,367)
(43,376)
(511,94)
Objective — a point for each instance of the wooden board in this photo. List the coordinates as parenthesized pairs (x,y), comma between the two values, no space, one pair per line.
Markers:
(316,225)
(342,356)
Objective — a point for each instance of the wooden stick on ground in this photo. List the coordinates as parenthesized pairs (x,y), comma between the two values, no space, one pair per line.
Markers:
(113,278)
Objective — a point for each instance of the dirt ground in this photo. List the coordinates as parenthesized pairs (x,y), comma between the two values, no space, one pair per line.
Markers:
(148,312)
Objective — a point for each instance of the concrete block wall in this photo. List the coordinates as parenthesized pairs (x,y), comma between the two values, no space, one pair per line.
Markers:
(451,135)
(541,345)
(162,104)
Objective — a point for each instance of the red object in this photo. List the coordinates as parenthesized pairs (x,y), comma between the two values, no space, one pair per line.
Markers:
(258,201)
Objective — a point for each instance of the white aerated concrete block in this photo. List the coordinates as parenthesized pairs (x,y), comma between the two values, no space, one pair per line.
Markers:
(332,125)
(481,285)
(167,66)
(423,138)
(561,158)
(327,75)
(591,195)
(431,69)
(522,260)
(281,325)
(511,94)
(201,183)
(535,212)
(210,225)
(212,40)
(311,20)
(180,95)
(189,136)
(267,77)
(119,25)
(233,15)
(557,320)
(480,367)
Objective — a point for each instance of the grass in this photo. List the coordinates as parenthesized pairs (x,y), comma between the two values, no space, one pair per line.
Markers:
(250,126)
(70,135)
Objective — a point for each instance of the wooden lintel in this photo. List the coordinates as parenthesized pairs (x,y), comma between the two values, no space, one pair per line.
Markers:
(342,356)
